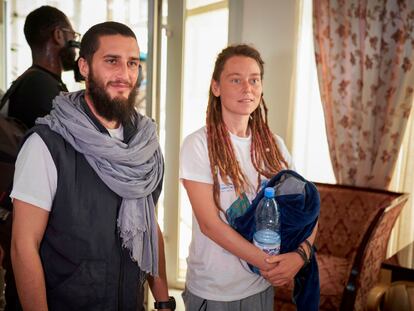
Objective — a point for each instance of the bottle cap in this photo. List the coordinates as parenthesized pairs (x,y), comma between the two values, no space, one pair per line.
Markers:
(269,192)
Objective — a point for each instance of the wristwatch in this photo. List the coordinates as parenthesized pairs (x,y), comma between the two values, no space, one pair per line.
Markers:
(170,304)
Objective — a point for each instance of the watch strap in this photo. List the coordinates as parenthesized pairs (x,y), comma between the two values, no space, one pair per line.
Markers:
(170,304)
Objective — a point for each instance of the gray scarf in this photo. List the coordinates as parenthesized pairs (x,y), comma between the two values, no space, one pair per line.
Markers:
(132,171)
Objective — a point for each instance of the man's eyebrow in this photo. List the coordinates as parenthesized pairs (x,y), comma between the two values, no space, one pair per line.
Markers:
(112,56)
(119,56)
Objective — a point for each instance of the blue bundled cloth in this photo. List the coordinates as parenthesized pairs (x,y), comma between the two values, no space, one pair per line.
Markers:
(299,205)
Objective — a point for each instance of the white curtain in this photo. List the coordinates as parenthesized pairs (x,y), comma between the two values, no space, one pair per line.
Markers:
(403,181)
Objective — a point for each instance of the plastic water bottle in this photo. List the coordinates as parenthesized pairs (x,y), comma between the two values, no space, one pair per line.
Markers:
(267,217)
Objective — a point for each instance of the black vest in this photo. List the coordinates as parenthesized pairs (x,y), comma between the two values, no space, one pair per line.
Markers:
(85,266)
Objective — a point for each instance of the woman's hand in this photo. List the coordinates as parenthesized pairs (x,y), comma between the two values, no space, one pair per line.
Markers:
(287,266)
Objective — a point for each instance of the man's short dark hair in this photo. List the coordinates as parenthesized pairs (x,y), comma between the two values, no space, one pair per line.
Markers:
(90,40)
(40,23)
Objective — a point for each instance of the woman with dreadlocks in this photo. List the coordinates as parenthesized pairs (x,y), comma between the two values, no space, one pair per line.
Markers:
(222,167)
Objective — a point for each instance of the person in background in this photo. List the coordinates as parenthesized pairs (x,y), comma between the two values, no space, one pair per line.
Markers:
(48,32)
(87,179)
(222,166)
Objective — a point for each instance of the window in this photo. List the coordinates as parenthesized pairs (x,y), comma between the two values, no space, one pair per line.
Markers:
(193,42)
(310,146)
(203,41)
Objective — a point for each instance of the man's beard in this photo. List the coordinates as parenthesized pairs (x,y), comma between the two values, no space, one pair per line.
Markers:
(112,109)
(68,57)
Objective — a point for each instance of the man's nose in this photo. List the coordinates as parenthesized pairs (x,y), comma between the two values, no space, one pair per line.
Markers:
(122,70)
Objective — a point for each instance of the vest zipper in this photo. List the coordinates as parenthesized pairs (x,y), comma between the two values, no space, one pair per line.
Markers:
(121,277)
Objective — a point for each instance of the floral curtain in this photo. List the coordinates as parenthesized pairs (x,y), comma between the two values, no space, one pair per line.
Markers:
(365,53)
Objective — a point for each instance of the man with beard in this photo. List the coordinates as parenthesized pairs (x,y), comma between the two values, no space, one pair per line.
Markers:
(48,33)
(85,234)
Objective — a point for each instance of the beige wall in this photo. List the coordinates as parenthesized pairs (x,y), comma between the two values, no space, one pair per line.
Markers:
(270,25)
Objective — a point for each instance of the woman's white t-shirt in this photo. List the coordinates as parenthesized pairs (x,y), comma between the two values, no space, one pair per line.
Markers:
(213,273)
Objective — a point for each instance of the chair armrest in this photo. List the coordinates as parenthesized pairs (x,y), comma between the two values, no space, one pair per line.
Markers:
(375,296)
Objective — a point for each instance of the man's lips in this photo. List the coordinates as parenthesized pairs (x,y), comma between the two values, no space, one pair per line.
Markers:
(120,85)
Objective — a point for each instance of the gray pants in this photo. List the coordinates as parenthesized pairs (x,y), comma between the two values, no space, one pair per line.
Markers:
(262,301)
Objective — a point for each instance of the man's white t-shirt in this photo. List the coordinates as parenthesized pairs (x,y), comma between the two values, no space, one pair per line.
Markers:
(35,174)
(213,273)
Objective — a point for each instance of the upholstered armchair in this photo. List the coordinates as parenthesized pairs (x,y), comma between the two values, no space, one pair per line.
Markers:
(354,228)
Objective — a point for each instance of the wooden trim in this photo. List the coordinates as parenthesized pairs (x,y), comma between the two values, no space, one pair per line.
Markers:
(359,189)
(208,8)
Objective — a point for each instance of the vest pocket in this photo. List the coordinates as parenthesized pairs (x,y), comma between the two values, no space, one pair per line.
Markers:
(84,289)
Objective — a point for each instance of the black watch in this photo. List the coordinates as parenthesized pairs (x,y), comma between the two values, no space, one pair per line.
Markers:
(170,304)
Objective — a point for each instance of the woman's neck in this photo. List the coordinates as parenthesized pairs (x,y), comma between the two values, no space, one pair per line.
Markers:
(238,126)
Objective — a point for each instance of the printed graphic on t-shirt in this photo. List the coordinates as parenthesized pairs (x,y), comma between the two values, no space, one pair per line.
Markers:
(226,187)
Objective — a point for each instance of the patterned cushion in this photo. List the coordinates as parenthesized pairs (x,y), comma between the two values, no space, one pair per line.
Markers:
(345,215)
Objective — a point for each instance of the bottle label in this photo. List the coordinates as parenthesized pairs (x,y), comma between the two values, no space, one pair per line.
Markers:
(271,249)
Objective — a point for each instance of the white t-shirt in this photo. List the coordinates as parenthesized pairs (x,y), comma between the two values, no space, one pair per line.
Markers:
(213,273)
(35,174)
